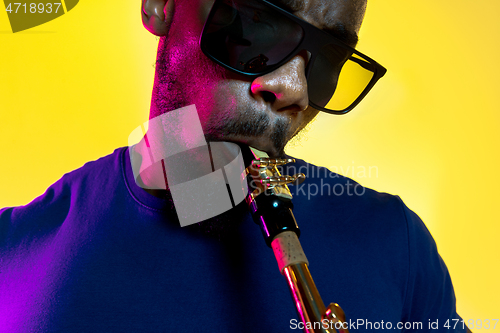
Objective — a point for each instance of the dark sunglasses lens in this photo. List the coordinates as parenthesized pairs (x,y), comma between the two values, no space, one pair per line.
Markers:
(249,36)
(338,77)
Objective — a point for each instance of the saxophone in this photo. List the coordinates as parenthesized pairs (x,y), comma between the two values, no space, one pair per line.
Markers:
(270,204)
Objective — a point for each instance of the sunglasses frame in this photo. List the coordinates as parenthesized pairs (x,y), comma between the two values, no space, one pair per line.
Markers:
(312,44)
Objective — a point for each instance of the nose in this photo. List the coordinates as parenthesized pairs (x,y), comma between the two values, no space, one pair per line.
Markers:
(284,88)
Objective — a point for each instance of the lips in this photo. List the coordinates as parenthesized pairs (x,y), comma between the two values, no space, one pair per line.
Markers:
(264,144)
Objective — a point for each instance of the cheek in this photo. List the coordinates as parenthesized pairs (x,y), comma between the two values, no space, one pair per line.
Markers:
(223,99)
(192,14)
(228,102)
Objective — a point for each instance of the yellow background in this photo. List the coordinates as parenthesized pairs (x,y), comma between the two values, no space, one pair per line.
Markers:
(73,89)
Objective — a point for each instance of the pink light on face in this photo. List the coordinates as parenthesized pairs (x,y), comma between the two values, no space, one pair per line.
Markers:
(257,87)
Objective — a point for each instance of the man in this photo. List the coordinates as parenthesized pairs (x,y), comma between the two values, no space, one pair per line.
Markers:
(99,253)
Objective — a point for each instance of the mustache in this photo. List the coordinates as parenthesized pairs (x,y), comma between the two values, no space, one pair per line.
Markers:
(247,126)
(253,124)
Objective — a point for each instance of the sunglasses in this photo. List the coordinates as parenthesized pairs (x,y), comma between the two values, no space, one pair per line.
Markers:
(255,37)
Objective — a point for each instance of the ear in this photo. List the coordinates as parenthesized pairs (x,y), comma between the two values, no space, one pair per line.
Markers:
(157,16)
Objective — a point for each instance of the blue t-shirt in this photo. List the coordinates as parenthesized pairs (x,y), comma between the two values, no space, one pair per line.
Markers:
(96,253)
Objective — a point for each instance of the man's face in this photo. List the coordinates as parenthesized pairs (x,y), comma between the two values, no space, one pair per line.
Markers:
(263,112)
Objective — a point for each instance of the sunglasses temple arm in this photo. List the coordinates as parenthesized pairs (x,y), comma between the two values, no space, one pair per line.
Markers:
(366,65)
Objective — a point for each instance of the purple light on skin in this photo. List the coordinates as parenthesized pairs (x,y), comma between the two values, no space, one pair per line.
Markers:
(189,135)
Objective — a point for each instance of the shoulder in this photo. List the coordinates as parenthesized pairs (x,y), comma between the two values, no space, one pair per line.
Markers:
(327,199)
(48,211)
(103,169)
(380,235)
(343,199)
(99,171)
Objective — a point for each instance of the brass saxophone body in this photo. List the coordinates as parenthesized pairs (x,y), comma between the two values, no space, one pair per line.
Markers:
(270,203)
